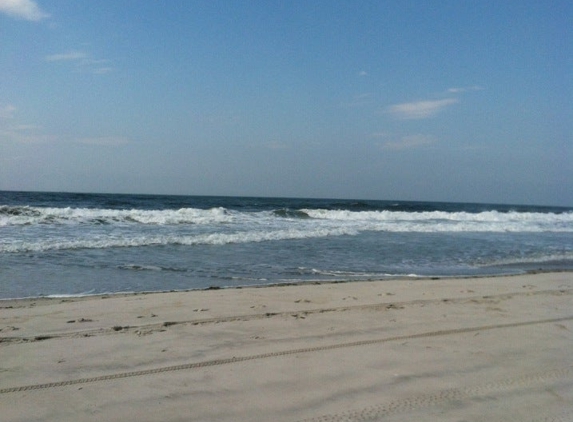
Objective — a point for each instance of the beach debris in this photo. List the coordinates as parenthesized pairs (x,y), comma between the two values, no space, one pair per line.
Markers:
(71,321)
(41,338)
(120,328)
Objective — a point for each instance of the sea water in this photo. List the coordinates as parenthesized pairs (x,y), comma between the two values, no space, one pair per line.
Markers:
(75,244)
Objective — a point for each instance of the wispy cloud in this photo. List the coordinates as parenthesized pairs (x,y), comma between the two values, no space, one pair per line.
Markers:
(7,111)
(459,90)
(11,130)
(359,100)
(408,142)
(22,9)
(24,137)
(420,109)
(82,61)
(25,134)
(362,73)
(102,70)
(70,56)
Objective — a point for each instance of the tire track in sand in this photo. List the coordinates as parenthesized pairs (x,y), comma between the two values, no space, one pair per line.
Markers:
(563,416)
(217,362)
(381,411)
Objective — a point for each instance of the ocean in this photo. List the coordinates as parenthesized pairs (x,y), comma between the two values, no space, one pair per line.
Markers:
(67,244)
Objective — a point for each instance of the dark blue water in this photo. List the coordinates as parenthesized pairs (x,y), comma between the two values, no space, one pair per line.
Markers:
(72,244)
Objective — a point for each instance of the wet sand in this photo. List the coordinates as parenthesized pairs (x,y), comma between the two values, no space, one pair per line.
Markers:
(472,349)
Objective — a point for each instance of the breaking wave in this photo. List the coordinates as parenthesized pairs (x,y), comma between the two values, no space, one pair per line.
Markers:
(87,228)
(25,215)
(204,239)
(394,220)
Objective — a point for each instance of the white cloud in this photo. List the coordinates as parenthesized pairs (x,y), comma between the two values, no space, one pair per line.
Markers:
(82,61)
(408,142)
(12,130)
(70,56)
(102,70)
(420,109)
(362,73)
(24,134)
(460,90)
(22,9)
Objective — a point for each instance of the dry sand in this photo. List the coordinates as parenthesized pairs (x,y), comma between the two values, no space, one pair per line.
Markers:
(475,349)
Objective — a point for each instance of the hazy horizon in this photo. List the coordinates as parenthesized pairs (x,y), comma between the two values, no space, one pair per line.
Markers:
(397,200)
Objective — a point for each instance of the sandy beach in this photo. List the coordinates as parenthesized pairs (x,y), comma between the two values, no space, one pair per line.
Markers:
(471,349)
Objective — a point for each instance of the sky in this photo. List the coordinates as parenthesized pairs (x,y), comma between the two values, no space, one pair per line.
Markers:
(444,100)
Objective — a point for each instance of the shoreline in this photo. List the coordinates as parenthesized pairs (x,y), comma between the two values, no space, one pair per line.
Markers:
(472,348)
(280,284)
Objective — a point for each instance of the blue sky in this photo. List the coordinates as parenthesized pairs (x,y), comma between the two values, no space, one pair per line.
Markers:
(408,100)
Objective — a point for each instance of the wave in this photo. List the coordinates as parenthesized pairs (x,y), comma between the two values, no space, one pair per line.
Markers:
(440,221)
(288,213)
(86,228)
(532,260)
(436,215)
(25,215)
(310,272)
(205,239)
(136,267)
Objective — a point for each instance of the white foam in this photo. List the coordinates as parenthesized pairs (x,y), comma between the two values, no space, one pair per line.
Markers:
(80,228)
(535,259)
(441,221)
(205,239)
(35,215)
(368,220)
